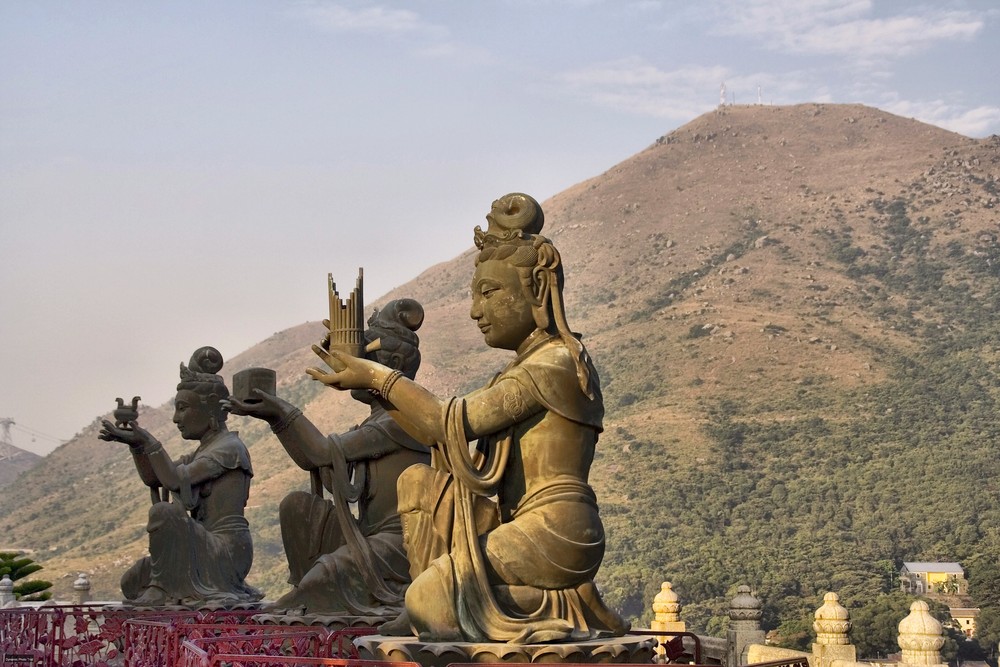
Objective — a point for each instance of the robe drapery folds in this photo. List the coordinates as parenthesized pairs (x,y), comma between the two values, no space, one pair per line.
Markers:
(372,565)
(339,564)
(521,573)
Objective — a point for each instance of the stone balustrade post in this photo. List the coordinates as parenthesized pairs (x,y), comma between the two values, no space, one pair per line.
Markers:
(921,637)
(831,625)
(744,626)
(7,598)
(666,617)
(81,589)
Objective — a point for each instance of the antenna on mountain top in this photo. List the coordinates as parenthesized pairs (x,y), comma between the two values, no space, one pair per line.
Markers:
(722,95)
(758,96)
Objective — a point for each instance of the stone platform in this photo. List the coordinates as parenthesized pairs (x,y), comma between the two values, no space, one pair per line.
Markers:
(330,621)
(628,649)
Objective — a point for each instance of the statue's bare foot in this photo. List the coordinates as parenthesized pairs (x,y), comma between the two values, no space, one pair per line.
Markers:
(153,596)
(287,602)
(398,627)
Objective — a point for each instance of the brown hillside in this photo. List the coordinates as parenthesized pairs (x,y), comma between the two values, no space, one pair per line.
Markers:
(714,265)
(14,461)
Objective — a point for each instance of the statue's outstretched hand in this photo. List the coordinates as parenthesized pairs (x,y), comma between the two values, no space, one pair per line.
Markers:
(134,436)
(349,372)
(267,406)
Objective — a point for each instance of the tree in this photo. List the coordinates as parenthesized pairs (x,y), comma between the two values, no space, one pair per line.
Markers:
(876,624)
(988,631)
(19,566)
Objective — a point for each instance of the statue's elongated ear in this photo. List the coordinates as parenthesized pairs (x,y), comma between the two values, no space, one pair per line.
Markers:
(396,361)
(541,283)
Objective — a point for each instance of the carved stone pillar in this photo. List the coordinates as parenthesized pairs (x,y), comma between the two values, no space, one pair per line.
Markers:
(666,616)
(81,589)
(744,626)
(831,625)
(920,636)
(7,598)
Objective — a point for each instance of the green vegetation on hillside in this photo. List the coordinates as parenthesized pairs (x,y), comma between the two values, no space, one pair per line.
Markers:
(829,489)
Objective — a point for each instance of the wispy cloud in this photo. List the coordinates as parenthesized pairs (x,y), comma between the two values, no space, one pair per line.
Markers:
(333,17)
(846,28)
(976,122)
(646,5)
(636,86)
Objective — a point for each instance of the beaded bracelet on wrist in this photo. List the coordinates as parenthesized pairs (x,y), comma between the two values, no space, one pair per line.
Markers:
(387,384)
(286,421)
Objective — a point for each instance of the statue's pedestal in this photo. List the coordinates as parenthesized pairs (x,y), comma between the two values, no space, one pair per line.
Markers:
(438,654)
(331,621)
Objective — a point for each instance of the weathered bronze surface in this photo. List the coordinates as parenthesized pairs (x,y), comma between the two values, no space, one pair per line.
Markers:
(200,549)
(339,565)
(520,568)
(248,379)
(126,413)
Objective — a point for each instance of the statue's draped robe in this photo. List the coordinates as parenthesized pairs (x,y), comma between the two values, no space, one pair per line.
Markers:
(519,569)
(199,544)
(343,565)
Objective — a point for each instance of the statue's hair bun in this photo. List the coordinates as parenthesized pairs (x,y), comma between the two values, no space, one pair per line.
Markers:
(206,360)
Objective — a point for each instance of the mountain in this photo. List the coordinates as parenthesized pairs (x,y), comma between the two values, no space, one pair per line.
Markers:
(14,461)
(794,314)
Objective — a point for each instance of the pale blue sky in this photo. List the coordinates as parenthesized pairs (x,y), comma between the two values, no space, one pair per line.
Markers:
(175,174)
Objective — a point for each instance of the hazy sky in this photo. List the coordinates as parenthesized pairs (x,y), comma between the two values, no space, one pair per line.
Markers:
(175,174)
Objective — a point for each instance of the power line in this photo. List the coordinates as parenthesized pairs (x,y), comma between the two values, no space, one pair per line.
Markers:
(35,433)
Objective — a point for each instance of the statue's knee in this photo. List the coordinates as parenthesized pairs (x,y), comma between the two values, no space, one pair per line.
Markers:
(295,504)
(135,579)
(430,602)
(161,513)
(413,485)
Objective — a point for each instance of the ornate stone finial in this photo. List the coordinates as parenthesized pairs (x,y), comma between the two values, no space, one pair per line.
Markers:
(666,618)
(744,606)
(744,626)
(7,598)
(832,622)
(920,636)
(81,588)
(666,604)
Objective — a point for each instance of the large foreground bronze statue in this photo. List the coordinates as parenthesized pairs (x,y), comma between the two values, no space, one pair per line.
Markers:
(200,549)
(519,569)
(339,565)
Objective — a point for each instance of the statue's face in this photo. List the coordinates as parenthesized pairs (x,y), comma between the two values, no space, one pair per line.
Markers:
(192,417)
(500,305)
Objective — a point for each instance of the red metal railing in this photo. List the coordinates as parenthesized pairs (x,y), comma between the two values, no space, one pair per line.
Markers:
(278,641)
(62,635)
(152,639)
(233,660)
